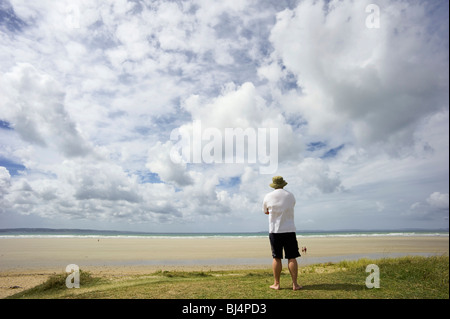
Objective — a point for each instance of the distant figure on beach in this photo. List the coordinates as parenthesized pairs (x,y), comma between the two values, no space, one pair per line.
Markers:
(304,249)
(279,205)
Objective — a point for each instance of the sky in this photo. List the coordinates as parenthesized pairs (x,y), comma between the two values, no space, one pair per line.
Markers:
(95,97)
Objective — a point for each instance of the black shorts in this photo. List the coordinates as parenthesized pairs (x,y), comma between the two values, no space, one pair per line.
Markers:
(288,241)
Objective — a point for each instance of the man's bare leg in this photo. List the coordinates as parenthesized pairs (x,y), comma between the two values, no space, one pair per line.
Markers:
(276,267)
(293,269)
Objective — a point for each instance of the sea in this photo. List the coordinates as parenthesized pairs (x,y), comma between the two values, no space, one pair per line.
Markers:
(92,233)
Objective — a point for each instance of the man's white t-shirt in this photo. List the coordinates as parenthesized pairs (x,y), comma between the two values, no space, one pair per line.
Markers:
(280,204)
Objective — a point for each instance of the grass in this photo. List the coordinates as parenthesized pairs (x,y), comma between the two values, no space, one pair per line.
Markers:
(400,278)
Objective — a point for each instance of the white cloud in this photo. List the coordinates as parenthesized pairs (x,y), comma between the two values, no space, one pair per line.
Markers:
(315,176)
(243,107)
(438,200)
(35,107)
(5,181)
(101,181)
(367,82)
(159,162)
(435,207)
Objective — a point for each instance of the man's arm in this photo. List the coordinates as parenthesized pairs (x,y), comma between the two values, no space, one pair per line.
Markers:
(265,209)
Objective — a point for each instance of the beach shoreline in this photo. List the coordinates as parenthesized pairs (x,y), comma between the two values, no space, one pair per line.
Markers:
(26,262)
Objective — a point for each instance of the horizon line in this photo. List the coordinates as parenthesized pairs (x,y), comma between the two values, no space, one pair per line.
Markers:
(298,231)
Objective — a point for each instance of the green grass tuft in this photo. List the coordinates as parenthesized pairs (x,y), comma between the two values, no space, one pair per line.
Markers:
(56,284)
(400,278)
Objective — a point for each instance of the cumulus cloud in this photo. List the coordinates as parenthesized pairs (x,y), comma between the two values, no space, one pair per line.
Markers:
(438,200)
(35,108)
(242,107)
(100,181)
(357,81)
(92,191)
(5,181)
(160,162)
(434,207)
(316,176)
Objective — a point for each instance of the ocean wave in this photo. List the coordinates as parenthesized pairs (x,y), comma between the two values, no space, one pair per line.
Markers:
(378,235)
(222,236)
(129,236)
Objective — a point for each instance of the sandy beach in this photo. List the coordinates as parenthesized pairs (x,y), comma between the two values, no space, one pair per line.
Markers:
(26,262)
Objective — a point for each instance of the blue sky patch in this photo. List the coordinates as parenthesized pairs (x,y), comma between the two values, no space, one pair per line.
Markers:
(9,19)
(152,178)
(333,152)
(5,125)
(12,167)
(230,182)
(314,146)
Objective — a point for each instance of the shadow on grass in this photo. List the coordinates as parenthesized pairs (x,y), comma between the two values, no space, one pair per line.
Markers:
(346,287)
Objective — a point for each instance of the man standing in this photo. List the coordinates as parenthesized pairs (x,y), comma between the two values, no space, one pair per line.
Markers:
(279,205)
